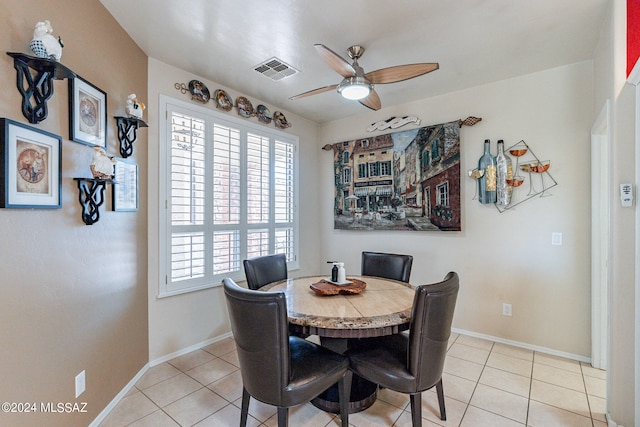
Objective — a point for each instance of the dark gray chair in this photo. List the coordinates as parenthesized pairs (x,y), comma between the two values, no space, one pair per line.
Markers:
(413,363)
(276,368)
(263,270)
(388,266)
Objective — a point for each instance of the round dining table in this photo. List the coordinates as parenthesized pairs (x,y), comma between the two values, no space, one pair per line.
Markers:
(383,307)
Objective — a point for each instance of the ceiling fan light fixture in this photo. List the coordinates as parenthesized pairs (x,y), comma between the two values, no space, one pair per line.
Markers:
(355,88)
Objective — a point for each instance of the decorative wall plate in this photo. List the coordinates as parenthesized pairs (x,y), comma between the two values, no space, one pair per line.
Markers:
(223,100)
(199,92)
(280,120)
(244,106)
(263,113)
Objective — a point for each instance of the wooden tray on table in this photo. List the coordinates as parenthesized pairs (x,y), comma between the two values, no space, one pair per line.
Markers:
(324,287)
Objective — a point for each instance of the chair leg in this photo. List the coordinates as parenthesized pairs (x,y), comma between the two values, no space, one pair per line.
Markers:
(344,392)
(244,410)
(416,409)
(283,417)
(440,391)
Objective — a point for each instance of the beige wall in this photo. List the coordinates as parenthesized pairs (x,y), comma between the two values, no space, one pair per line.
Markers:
(610,83)
(501,257)
(180,322)
(73,297)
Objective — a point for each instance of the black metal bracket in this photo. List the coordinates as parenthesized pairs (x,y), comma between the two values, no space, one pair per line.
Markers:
(128,133)
(34,80)
(91,197)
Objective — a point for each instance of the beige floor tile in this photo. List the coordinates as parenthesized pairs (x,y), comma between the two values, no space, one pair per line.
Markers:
(231,357)
(476,417)
(229,416)
(507,381)
(466,352)
(258,410)
(557,376)
(590,371)
(598,408)
(500,402)
(170,390)
(557,362)
(157,374)
(222,347)
(510,364)
(156,419)
(378,414)
(129,409)
(596,386)
(431,410)
(211,371)
(457,387)
(405,421)
(509,350)
(399,400)
(462,368)
(541,415)
(195,407)
(229,387)
(560,397)
(191,360)
(305,415)
(475,342)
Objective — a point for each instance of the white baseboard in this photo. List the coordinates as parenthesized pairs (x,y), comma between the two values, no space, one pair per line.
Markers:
(545,350)
(102,415)
(145,368)
(189,349)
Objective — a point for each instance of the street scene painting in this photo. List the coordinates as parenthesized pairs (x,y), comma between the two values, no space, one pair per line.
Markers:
(406,180)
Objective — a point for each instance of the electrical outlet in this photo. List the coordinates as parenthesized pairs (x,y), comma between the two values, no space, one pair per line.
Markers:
(80,385)
(556,239)
(506,309)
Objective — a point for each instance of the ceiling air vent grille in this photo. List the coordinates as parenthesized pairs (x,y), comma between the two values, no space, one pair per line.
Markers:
(275,69)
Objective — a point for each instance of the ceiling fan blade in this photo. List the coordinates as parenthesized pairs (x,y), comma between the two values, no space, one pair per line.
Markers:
(314,92)
(400,72)
(372,101)
(335,61)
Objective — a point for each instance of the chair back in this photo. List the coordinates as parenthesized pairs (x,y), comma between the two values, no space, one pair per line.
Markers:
(430,328)
(388,266)
(266,269)
(260,329)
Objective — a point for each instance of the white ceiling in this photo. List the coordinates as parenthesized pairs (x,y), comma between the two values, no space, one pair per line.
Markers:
(474,41)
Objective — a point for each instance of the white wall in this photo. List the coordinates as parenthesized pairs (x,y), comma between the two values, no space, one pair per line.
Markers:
(501,257)
(179,322)
(610,83)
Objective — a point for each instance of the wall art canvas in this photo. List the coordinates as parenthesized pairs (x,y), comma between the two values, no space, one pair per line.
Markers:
(407,180)
(30,167)
(87,113)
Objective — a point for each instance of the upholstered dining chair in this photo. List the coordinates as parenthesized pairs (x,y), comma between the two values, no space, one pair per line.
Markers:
(413,363)
(276,368)
(388,266)
(265,269)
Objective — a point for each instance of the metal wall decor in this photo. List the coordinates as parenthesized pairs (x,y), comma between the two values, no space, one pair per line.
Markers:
(200,93)
(392,123)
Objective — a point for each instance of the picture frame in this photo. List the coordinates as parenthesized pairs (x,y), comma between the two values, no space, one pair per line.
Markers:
(87,113)
(125,187)
(30,167)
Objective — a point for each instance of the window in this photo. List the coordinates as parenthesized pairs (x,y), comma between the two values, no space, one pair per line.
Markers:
(385,168)
(230,194)
(345,157)
(374,168)
(346,176)
(442,192)
(362,170)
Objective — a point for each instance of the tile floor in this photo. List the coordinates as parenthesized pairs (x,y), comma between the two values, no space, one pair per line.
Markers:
(485,384)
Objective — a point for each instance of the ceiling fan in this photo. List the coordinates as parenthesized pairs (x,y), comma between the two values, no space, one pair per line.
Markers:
(356,84)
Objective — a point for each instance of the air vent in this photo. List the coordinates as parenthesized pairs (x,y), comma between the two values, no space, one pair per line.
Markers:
(275,69)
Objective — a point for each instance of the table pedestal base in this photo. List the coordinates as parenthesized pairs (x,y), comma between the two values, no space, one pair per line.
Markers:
(363,395)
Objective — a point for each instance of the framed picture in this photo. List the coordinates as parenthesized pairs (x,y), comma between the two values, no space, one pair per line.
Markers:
(30,167)
(125,187)
(87,113)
